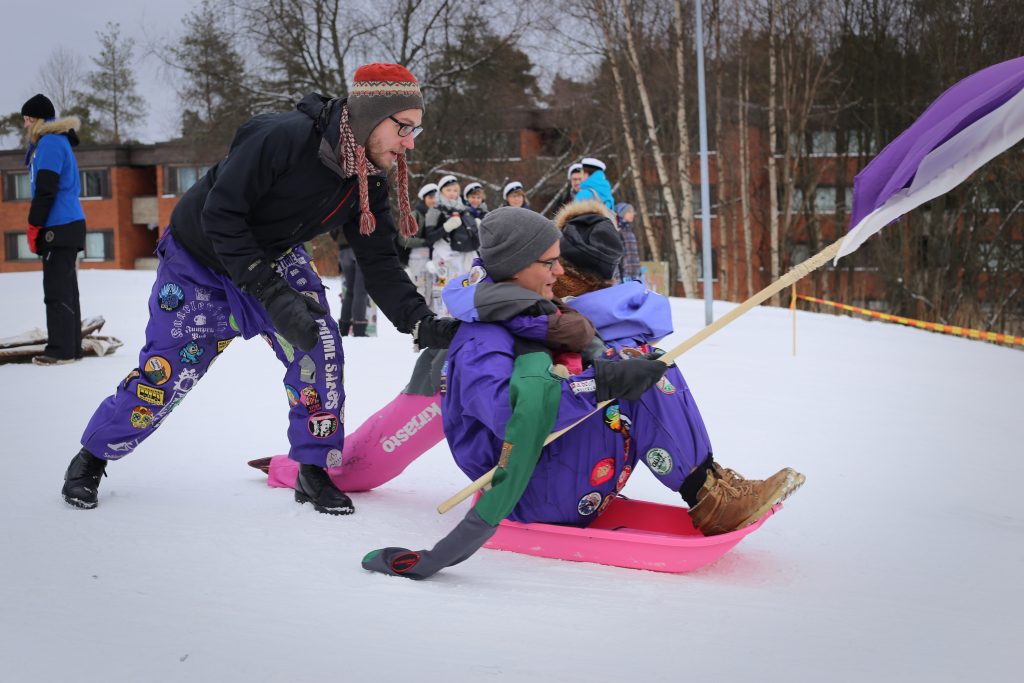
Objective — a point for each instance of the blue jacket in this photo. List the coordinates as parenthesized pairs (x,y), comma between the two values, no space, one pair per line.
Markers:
(54,175)
(596,187)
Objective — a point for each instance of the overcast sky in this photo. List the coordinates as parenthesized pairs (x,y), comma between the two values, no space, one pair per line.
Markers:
(29,33)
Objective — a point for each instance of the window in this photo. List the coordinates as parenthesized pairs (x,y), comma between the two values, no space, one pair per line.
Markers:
(99,245)
(95,183)
(17,186)
(823,142)
(824,199)
(859,143)
(712,195)
(700,263)
(16,247)
(177,179)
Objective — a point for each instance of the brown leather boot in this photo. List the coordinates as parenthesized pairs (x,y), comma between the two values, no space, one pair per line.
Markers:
(728,502)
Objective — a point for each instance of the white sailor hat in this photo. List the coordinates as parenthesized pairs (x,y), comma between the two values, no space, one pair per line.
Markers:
(597,163)
(510,188)
(429,188)
(472,187)
(446,180)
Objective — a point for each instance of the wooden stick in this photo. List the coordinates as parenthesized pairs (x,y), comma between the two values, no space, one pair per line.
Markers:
(798,272)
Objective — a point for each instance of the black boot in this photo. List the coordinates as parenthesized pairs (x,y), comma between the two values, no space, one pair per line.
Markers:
(344,326)
(82,480)
(359,328)
(314,486)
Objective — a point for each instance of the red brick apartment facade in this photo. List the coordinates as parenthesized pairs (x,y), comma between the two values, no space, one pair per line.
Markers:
(128,193)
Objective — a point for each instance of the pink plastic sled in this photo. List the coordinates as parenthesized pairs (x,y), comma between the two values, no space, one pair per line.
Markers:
(380,449)
(630,533)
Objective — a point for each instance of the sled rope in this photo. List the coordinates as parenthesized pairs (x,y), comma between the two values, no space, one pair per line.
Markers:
(796,273)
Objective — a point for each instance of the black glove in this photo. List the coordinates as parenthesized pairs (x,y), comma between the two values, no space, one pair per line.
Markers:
(432,332)
(627,379)
(293,314)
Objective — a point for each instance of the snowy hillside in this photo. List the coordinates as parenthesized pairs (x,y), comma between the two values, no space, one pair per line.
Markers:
(900,559)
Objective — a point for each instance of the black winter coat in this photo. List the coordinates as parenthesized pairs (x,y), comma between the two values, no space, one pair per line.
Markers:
(281,185)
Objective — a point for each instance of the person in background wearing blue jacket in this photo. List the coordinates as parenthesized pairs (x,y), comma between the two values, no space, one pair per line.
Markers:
(595,185)
(56,225)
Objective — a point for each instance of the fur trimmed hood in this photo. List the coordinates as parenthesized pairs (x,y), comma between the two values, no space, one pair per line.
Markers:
(65,126)
(576,209)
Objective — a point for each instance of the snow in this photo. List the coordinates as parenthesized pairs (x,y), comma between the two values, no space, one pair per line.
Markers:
(900,559)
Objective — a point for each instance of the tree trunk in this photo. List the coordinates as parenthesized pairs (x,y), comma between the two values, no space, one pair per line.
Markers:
(723,221)
(773,173)
(683,238)
(743,95)
(635,160)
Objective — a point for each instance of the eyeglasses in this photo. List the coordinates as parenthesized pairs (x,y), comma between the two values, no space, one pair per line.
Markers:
(405,129)
(548,263)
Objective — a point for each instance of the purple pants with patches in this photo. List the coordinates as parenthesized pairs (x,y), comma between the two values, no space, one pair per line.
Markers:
(579,474)
(194,314)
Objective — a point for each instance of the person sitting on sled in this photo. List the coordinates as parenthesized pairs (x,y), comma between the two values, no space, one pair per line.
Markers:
(503,396)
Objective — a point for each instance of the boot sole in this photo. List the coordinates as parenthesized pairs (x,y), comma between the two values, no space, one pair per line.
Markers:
(303,498)
(78,503)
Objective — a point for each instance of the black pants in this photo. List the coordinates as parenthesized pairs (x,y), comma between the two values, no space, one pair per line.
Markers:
(353,306)
(63,311)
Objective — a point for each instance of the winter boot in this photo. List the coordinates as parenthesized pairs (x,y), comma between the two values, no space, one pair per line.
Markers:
(727,502)
(314,486)
(792,479)
(359,328)
(344,326)
(82,480)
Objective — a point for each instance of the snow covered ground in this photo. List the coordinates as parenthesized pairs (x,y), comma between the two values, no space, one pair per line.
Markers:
(900,559)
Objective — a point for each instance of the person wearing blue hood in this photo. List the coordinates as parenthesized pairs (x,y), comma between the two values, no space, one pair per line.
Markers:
(595,184)
(56,225)
(546,336)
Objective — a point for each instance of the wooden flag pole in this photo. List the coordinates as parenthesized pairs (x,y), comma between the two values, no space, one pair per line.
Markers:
(798,272)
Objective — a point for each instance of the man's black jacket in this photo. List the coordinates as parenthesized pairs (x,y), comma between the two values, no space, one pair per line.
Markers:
(281,185)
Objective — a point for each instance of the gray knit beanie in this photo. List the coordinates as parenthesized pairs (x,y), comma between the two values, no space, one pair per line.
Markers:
(511,238)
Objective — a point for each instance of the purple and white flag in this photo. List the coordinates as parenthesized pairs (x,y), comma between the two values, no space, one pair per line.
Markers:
(969,124)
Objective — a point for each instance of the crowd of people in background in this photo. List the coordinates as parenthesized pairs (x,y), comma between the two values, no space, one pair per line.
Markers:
(449,215)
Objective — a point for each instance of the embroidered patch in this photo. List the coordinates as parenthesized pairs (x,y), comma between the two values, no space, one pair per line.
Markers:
(623,477)
(612,419)
(665,387)
(198,319)
(322,425)
(589,503)
(602,472)
(311,399)
(171,296)
(604,503)
(150,394)
(293,395)
(405,562)
(156,370)
(334,458)
(631,352)
(583,386)
(202,294)
(223,344)
(133,375)
(191,352)
(141,417)
(476,274)
(659,460)
(307,370)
